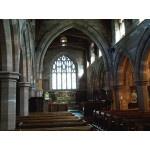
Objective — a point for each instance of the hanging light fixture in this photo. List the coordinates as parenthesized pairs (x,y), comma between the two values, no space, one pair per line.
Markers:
(63,41)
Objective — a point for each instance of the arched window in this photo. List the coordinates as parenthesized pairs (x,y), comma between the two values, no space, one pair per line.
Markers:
(119,29)
(63,74)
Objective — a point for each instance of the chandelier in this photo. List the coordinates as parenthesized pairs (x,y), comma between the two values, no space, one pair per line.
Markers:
(63,41)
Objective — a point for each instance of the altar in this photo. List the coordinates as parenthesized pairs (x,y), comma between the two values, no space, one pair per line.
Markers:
(53,107)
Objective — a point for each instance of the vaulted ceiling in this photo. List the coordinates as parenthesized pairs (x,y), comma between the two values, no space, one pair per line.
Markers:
(74,38)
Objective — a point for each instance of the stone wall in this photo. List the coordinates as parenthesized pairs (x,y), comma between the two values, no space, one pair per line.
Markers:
(131,46)
(77,55)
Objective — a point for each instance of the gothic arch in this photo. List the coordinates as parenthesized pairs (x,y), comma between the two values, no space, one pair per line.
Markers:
(123,65)
(65,25)
(26,48)
(142,67)
(15,44)
(66,54)
(143,52)
(120,57)
(6,46)
(124,81)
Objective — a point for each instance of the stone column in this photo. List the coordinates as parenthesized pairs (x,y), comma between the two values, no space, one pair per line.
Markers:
(24,98)
(107,79)
(114,104)
(116,96)
(121,97)
(143,97)
(8,100)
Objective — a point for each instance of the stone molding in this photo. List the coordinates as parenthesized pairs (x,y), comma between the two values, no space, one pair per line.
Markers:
(24,84)
(9,75)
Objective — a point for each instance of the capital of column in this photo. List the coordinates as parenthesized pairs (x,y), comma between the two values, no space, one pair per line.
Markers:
(9,75)
(24,84)
(141,83)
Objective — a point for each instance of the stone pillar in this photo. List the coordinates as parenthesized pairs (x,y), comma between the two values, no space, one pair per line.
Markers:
(121,97)
(8,100)
(116,96)
(107,80)
(143,97)
(24,98)
(114,105)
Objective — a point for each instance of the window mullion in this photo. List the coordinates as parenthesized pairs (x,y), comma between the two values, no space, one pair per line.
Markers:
(56,79)
(64,66)
(71,75)
(66,75)
(61,74)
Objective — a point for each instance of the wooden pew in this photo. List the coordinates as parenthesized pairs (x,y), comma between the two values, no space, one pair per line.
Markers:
(50,120)
(74,128)
(124,120)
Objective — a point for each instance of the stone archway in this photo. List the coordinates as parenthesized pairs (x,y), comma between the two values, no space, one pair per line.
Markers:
(65,25)
(125,84)
(142,71)
(147,74)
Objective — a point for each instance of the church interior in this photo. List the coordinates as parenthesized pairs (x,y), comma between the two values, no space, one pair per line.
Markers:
(75,75)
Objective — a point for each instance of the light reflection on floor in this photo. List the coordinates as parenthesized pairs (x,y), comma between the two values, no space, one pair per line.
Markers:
(77,113)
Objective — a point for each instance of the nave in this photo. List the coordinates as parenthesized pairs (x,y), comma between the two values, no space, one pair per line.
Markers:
(99,68)
(93,116)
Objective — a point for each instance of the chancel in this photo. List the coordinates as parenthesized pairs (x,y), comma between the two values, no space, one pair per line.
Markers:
(75,75)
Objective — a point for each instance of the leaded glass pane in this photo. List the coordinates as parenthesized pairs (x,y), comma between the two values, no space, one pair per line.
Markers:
(64,81)
(73,81)
(59,81)
(54,80)
(68,80)
(63,74)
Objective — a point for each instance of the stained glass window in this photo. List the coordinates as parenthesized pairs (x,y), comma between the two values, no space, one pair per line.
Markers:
(63,74)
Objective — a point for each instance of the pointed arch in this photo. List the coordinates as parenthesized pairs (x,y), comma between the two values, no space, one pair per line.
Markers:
(58,29)
(64,73)
(142,55)
(6,46)
(26,46)
(142,69)
(125,81)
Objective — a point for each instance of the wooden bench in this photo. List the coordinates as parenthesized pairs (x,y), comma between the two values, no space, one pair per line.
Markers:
(74,128)
(43,121)
(123,120)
